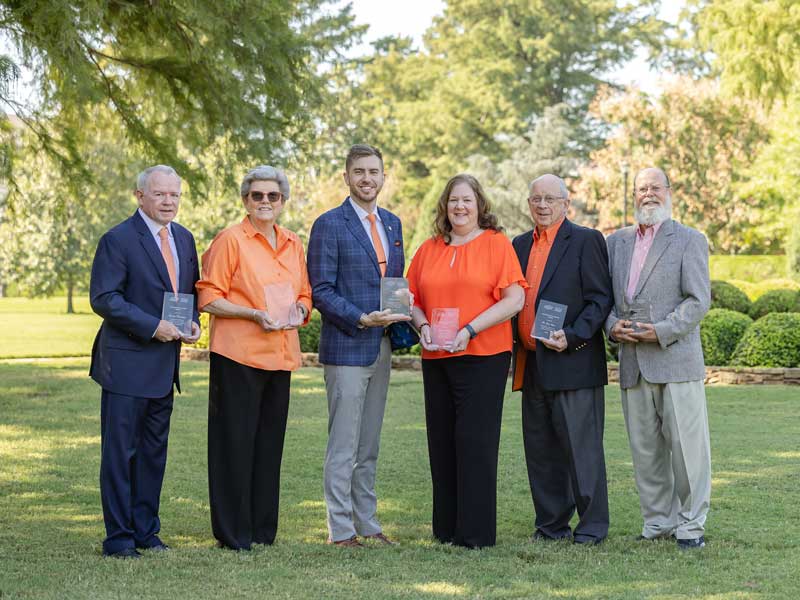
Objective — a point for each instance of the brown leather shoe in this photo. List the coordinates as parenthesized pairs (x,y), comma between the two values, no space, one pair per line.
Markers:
(348,543)
(379,537)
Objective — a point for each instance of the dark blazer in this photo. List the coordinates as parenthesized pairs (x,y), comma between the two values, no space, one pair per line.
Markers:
(129,278)
(346,282)
(576,274)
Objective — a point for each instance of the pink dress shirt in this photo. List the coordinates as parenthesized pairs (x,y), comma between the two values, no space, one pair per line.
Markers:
(640,249)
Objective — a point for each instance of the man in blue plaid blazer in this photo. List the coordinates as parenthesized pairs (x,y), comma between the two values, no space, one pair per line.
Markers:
(350,248)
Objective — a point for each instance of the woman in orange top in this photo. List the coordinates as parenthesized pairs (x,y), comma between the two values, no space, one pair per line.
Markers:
(254,347)
(469,265)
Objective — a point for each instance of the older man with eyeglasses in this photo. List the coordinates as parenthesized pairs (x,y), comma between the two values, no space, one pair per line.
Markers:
(562,376)
(661,286)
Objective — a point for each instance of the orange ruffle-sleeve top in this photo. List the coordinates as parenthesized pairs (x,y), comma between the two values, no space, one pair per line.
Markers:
(471,278)
(237,266)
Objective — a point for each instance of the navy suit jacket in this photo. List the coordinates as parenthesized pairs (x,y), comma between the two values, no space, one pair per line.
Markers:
(576,274)
(346,282)
(129,278)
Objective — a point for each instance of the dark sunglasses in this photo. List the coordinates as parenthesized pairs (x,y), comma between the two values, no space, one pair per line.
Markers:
(271,196)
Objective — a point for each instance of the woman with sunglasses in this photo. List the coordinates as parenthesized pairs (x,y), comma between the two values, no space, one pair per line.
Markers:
(256,288)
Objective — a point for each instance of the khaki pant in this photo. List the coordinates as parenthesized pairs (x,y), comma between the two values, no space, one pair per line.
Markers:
(356,403)
(668,432)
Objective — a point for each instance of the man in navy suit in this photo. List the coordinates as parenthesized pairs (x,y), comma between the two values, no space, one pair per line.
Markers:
(562,378)
(135,357)
(350,249)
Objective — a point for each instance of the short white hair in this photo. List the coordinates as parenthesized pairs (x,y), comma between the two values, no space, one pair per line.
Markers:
(265,173)
(143,179)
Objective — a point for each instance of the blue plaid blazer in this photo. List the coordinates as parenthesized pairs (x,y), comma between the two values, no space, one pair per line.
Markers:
(346,282)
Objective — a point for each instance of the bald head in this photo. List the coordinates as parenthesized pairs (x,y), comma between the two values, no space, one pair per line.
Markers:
(549,181)
(548,200)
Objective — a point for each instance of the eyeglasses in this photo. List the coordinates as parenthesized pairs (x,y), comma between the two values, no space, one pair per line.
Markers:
(162,195)
(271,196)
(549,200)
(656,189)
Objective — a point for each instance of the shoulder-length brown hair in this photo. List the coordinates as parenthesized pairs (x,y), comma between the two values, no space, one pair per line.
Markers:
(486,220)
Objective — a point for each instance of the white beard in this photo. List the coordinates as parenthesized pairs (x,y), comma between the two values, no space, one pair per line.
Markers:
(654,216)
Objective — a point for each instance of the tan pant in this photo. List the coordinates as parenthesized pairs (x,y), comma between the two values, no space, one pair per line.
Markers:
(668,432)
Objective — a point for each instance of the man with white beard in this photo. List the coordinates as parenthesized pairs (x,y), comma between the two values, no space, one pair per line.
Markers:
(659,271)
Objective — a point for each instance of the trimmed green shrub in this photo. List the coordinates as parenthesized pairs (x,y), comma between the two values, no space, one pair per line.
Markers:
(612,350)
(309,334)
(203,341)
(772,341)
(756,290)
(774,301)
(720,332)
(727,295)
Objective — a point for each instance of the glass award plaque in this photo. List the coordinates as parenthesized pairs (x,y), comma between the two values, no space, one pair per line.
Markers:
(549,319)
(395,295)
(281,303)
(637,312)
(444,326)
(178,309)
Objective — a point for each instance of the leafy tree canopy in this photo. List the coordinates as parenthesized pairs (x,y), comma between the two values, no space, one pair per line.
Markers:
(177,74)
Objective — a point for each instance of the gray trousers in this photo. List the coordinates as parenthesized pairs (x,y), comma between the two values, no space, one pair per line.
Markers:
(668,431)
(356,402)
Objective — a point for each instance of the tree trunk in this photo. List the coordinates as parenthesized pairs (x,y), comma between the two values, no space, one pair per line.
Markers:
(70,307)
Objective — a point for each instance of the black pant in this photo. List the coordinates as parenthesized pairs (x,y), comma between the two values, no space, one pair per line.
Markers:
(247,410)
(563,436)
(463,411)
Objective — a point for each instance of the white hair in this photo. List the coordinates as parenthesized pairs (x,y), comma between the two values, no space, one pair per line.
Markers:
(143,178)
(562,186)
(266,173)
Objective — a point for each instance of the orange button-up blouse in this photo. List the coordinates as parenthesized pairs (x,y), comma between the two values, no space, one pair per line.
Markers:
(237,266)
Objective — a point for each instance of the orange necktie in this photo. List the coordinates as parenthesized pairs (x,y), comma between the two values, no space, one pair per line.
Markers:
(376,241)
(166,252)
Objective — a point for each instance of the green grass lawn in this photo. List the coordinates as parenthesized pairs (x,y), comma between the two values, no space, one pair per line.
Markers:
(41,327)
(51,526)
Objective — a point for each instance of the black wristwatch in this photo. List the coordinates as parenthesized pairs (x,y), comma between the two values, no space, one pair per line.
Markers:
(472,332)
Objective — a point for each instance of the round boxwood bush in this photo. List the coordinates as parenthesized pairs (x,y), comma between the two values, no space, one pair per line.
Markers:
(774,301)
(772,341)
(727,295)
(720,332)
(309,334)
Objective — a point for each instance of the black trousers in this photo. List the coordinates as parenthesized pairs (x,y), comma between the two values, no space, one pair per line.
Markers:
(247,410)
(463,411)
(563,436)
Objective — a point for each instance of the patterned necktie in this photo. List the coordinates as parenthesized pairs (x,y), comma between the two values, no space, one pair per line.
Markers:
(166,252)
(376,241)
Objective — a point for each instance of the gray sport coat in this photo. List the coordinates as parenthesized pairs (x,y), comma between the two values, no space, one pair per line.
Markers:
(676,284)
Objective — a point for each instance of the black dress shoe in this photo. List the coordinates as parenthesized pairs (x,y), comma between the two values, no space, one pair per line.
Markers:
(692,543)
(124,553)
(158,548)
(539,536)
(587,540)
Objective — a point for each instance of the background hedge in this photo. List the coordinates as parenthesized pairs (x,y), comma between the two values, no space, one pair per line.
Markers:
(772,341)
(727,295)
(774,301)
(720,332)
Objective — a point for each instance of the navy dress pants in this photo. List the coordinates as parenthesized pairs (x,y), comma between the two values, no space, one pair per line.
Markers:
(133,433)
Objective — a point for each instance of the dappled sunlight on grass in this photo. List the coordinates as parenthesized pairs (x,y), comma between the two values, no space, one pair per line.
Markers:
(442,588)
(788,455)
